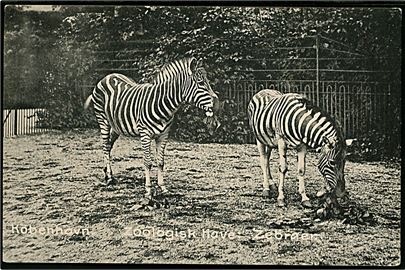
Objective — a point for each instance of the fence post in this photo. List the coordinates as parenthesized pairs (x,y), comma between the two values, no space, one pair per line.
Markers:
(317,69)
(15,122)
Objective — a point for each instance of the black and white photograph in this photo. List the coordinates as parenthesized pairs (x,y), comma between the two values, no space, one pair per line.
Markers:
(218,135)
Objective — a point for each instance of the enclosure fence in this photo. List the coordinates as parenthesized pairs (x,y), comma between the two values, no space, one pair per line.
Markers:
(350,85)
(347,101)
(22,122)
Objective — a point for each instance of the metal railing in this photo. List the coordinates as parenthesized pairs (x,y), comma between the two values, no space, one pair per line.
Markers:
(360,107)
(22,121)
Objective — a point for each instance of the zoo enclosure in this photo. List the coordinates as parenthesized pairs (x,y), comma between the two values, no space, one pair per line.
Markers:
(332,75)
(22,121)
(360,107)
(328,72)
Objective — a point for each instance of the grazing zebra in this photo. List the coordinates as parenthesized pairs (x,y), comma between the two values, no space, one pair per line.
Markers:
(124,107)
(290,121)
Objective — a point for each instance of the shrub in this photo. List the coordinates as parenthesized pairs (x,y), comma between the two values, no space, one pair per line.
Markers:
(190,124)
(375,146)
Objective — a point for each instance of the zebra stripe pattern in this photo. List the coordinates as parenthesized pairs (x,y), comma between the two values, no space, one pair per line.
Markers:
(124,107)
(291,121)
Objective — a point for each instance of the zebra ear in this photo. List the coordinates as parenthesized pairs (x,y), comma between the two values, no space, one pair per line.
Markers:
(193,64)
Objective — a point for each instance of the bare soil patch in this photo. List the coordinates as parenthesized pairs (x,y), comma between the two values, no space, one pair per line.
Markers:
(50,181)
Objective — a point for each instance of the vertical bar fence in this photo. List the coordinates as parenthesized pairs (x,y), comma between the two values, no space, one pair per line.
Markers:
(22,122)
(359,107)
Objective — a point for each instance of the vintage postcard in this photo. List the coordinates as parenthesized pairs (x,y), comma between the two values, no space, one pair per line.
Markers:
(201,135)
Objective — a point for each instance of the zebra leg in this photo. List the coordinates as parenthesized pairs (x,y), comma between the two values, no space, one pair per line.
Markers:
(146,141)
(273,186)
(302,151)
(282,151)
(109,137)
(265,152)
(160,151)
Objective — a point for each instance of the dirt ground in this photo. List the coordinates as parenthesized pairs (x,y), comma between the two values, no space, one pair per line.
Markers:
(55,210)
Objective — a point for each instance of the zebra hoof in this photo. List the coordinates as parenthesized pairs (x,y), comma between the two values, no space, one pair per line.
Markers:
(110,181)
(280,203)
(306,204)
(320,193)
(164,191)
(105,182)
(102,182)
(272,191)
(146,201)
(148,196)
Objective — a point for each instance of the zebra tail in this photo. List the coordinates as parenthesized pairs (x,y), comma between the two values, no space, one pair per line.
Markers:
(88,102)
(250,115)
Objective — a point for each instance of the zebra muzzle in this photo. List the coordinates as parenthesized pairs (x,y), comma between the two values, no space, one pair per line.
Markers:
(209,114)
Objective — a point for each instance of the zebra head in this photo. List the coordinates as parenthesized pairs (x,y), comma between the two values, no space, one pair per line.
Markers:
(200,92)
(331,164)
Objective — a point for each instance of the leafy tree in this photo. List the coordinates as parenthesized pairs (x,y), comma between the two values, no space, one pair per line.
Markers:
(48,56)
(26,44)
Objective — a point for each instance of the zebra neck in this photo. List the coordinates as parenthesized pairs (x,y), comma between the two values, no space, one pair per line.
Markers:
(170,97)
(315,128)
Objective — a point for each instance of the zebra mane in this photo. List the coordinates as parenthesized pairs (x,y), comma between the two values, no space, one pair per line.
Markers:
(178,65)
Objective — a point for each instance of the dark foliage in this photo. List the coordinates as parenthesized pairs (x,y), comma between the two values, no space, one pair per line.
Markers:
(190,125)
(374,147)
(54,59)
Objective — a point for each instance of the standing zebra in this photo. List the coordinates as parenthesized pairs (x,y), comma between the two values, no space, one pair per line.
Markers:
(290,121)
(123,107)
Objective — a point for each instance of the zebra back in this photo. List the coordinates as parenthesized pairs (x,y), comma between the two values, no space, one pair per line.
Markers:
(293,117)
(129,107)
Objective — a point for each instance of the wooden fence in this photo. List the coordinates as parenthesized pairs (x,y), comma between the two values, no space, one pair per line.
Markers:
(359,106)
(22,121)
